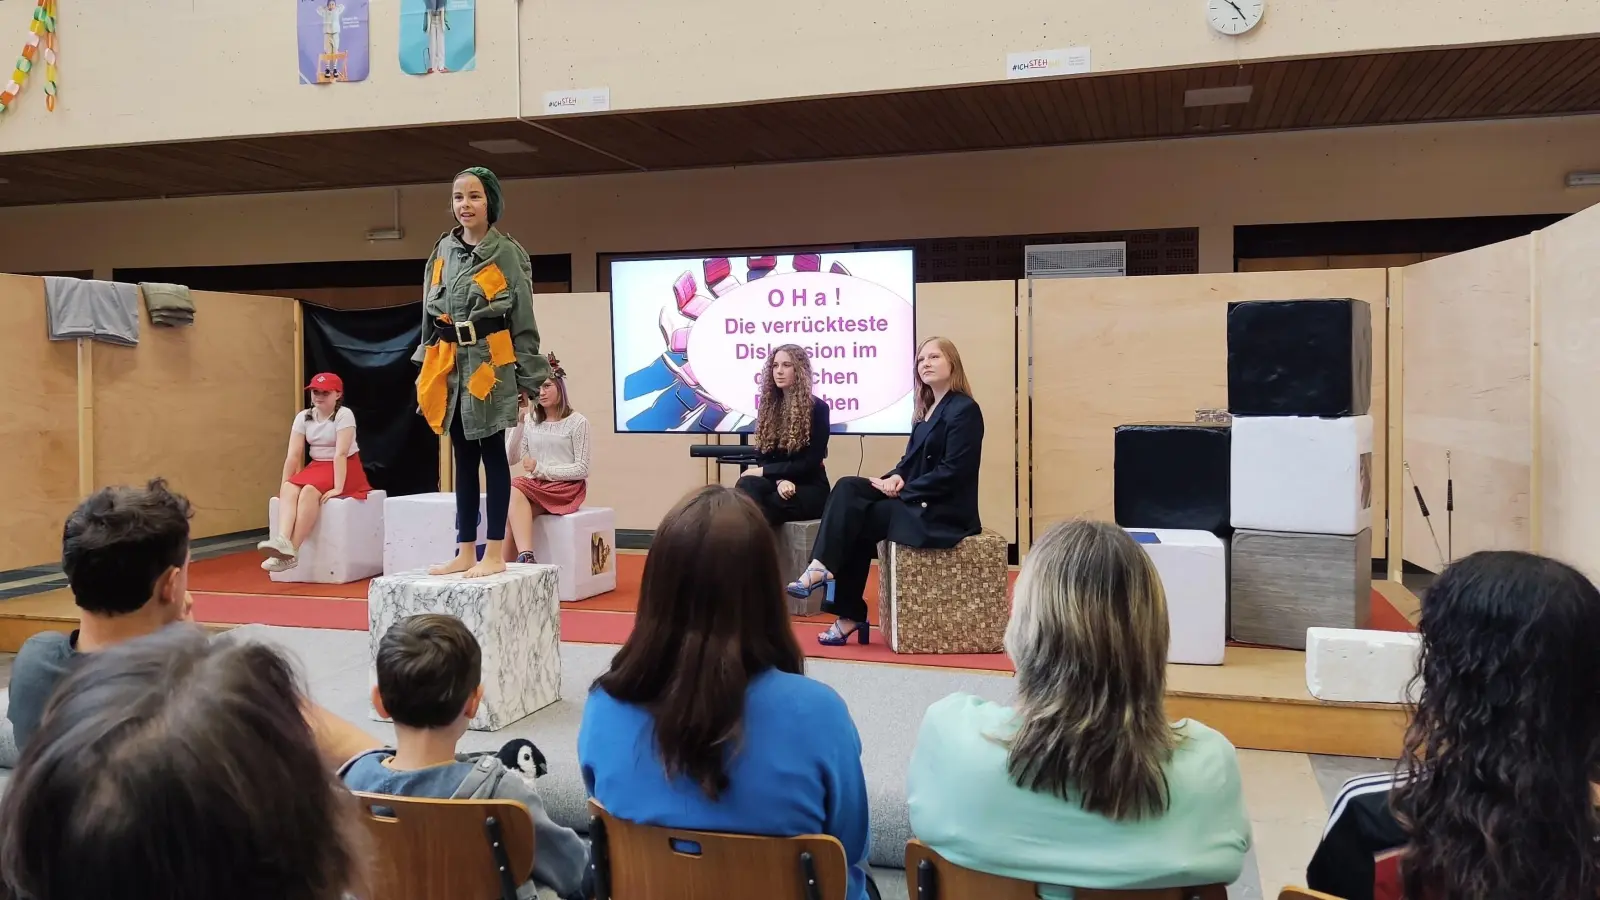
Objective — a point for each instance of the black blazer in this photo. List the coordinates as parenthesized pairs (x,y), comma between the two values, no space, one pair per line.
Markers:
(940,469)
(804,466)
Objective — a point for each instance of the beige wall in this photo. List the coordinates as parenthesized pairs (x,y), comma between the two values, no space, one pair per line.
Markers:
(136,71)
(1213,183)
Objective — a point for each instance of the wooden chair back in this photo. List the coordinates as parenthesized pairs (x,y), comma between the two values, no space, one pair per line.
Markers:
(1300,893)
(644,862)
(930,876)
(430,849)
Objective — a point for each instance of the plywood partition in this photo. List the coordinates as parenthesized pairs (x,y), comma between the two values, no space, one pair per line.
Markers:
(1568,439)
(38,430)
(639,475)
(208,407)
(1466,370)
(1108,351)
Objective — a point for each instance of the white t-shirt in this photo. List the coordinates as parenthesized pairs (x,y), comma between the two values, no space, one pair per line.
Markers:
(322,435)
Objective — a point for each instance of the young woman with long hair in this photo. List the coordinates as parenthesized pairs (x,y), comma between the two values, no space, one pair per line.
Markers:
(551,446)
(1086,756)
(789,481)
(929,499)
(1495,794)
(704,719)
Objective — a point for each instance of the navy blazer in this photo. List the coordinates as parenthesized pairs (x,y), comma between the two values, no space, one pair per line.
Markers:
(940,469)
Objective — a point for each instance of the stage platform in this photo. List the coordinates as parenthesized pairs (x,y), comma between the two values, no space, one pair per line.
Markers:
(1257,698)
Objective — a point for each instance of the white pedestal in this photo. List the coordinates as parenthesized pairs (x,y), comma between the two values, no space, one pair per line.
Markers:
(420,531)
(1301,474)
(346,545)
(1193,566)
(583,546)
(1353,665)
(514,615)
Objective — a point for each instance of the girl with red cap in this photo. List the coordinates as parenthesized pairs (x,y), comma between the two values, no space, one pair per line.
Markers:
(328,431)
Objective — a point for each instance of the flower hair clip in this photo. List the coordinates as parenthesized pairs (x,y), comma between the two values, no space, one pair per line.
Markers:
(555,366)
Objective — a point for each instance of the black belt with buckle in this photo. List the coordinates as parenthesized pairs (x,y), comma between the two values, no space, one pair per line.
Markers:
(467,333)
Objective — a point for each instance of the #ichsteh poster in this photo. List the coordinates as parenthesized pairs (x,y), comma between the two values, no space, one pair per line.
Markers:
(334,41)
(438,36)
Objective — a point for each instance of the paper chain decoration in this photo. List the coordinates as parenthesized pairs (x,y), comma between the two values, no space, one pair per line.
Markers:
(41,34)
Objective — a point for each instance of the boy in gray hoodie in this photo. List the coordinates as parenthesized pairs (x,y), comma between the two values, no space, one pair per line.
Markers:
(429,683)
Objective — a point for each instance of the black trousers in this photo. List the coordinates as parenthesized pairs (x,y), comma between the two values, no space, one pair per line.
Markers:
(857,517)
(491,451)
(807,502)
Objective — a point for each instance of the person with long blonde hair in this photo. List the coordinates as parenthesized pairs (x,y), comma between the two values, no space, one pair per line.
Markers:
(789,481)
(1082,782)
(929,499)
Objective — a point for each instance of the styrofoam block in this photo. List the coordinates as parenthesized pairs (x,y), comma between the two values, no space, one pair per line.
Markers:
(1193,566)
(1358,666)
(419,530)
(583,546)
(346,545)
(1171,475)
(1299,358)
(1293,473)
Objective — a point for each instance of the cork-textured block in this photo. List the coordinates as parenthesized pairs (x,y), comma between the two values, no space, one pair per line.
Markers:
(1283,583)
(944,601)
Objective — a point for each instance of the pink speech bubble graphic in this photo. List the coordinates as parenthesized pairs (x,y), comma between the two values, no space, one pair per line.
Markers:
(857,333)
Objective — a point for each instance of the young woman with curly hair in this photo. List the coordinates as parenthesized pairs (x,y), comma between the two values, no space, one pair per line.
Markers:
(1495,795)
(789,482)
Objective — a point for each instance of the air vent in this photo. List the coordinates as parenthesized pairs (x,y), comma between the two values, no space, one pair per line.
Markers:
(503,146)
(1217,96)
(1104,260)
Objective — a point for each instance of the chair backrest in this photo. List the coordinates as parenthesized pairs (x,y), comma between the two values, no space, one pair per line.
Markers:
(635,862)
(930,876)
(445,849)
(1300,893)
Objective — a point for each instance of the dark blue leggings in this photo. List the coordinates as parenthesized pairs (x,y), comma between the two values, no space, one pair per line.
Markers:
(491,451)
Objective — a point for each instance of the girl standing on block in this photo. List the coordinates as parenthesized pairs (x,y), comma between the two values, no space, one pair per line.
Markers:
(551,445)
(328,430)
(480,359)
(789,481)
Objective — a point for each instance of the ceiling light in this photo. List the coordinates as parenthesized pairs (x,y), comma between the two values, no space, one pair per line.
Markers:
(1583,179)
(503,146)
(1217,96)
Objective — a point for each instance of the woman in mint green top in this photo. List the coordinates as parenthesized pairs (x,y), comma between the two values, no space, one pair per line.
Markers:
(1084,782)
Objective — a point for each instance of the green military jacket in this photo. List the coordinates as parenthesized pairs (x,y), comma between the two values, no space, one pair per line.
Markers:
(457,283)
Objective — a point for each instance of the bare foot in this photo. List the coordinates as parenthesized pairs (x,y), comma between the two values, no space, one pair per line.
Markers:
(489,565)
(461,563)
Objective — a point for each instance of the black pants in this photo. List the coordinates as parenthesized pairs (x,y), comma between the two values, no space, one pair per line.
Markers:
(807,502)
(857,517)
(491,451)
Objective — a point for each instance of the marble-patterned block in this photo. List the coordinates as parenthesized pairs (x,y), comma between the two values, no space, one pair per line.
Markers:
(515,616)
(419,530)
(583,546)
(346,545)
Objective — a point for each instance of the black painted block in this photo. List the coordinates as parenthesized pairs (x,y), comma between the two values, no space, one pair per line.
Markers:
(1300,358)
(1173,476)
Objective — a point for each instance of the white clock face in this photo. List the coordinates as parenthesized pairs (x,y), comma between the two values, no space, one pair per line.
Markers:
(1234,16)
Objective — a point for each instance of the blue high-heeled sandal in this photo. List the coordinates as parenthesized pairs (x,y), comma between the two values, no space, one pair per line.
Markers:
(833,637)
(798,589)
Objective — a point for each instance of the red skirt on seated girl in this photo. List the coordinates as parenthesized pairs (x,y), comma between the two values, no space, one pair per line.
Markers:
(319,474)
(556,498)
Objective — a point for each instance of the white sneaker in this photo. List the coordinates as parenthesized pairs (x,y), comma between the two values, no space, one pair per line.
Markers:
(277,548)
(279,564)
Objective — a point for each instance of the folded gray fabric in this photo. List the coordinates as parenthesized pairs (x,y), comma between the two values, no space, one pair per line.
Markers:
(103,310)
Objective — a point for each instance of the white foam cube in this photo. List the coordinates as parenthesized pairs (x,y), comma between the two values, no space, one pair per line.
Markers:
(1193,566)
(515,616)
(1301,474)
(420,531)
(1359,666)
(346,545)
(582,545)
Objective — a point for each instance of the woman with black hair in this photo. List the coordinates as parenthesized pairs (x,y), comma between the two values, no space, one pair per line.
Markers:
(1495,796)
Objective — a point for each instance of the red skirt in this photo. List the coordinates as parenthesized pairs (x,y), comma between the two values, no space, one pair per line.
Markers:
(319,474)
(558,498)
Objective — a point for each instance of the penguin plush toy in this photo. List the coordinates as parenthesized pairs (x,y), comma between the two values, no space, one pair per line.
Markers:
(521,756)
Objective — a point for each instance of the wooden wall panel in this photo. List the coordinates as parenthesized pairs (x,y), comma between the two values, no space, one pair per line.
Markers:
(1109,351)
(1568,443)
(1466,370)
(207,407)
(38,431)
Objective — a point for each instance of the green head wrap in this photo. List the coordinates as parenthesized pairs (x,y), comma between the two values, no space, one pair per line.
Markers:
(491,190)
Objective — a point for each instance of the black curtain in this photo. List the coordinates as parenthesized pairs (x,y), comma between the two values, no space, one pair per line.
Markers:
(371,350)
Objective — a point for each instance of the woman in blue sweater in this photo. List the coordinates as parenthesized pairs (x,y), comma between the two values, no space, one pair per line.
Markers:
(704,720)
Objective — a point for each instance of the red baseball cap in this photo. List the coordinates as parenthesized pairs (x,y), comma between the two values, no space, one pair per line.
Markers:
(326,381)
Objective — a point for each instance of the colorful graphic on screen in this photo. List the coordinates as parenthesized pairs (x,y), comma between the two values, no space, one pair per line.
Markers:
(690,337)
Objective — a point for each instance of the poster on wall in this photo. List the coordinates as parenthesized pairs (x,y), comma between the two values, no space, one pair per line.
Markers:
(438,36)
(334,43)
